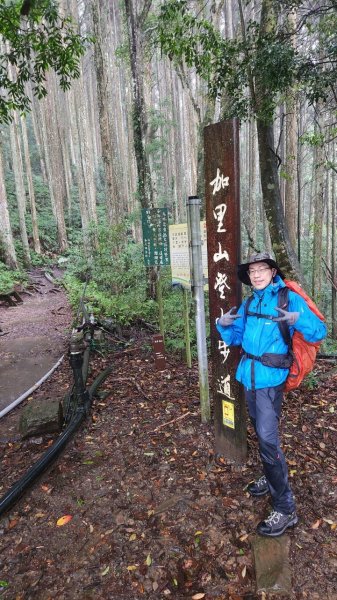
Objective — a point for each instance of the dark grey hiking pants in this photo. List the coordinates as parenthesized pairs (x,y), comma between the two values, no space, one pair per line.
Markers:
(264,407)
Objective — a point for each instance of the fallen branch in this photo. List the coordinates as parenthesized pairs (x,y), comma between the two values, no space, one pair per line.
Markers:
(140,390)
(308,457)
(132,380)
(173,421)
(122,353)
(49,278)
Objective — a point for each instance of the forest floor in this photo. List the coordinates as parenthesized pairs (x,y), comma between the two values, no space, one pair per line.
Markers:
(151,514)
(33,335)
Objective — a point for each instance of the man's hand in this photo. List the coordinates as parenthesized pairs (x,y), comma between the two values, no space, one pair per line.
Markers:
(228,318)
(289,317)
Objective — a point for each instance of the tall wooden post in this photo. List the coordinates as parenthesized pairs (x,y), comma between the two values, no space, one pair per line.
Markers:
(222,184)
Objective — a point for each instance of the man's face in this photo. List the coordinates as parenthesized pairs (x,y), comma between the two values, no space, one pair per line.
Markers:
(260,275)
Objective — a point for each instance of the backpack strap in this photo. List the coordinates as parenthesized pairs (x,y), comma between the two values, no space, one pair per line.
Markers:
(282,302)
(247,305)
(249,313)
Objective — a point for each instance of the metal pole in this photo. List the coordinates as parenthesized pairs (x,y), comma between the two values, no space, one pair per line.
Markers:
(197,279)
(187,329)
(160,304)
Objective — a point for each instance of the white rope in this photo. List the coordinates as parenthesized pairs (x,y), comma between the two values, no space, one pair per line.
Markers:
(23,396)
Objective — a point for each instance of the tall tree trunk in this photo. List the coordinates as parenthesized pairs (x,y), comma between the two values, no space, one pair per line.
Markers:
(251,220)
(145,190)
(6,236)
(319,206)
(279,133)
(291,126)
(37,121)
(291,199)
(108,136)
(31,192)
(282,247)
(299,181)
(17,166)
(19,186)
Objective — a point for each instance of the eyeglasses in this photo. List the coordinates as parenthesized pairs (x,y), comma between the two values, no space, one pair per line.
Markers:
(254,272)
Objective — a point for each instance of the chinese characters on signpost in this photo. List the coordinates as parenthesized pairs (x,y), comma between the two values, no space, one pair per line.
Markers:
(155,237)
(156,246)
(223,244)
(180,253)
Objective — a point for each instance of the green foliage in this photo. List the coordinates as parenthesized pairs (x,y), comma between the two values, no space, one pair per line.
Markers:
(40,260)
(268,59)
(174,325)
(8,278)
(114,285)
(227,65)
(38,42)
(313,138)
(329,346)
(115,276)
(311,381)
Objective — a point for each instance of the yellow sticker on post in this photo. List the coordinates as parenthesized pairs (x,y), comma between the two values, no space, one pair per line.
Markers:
(228,414)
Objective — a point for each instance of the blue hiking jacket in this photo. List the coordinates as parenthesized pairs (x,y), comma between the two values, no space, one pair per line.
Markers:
(259,335)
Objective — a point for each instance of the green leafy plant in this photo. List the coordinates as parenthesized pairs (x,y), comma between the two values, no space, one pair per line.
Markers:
(113,283)
(310,382)
(46,41)
(114,277)
(8,278)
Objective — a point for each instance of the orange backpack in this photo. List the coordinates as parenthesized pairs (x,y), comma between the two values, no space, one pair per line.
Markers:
(301,354)
(304,353)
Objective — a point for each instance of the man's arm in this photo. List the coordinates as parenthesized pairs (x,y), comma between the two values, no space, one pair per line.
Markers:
(233,334)
(311,327)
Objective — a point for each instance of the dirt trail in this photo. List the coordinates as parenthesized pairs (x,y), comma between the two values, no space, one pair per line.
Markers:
(35,336)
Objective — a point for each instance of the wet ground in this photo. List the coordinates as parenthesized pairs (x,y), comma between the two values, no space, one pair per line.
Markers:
(33,336)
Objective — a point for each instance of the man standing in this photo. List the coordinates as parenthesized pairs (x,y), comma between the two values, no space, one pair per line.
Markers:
(263,370)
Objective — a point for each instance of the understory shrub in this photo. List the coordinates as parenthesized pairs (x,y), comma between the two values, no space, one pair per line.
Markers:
(113,283)
(9,278)
(113,278)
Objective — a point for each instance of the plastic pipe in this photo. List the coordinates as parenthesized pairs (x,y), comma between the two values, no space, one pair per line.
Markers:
(34,387)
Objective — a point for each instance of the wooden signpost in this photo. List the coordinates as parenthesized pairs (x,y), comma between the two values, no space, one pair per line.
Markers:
(159,352)
(223,246)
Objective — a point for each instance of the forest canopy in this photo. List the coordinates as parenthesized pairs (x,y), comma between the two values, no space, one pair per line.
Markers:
(262,52)
(35,37)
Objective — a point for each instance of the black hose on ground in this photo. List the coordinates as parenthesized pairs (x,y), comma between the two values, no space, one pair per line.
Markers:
(84,397)
(18,489)
(98,381)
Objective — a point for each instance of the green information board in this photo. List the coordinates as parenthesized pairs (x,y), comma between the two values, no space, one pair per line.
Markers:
(155,237)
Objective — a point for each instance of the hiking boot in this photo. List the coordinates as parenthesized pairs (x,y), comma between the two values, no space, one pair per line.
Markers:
(258,487)
(276,524)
